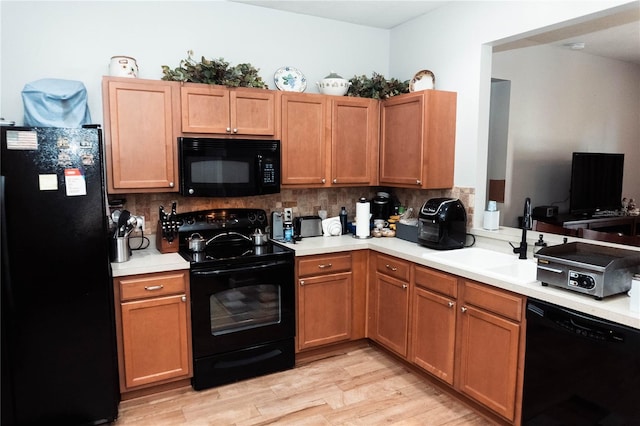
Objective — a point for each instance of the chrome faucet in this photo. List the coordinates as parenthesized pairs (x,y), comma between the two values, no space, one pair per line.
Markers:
(526,224)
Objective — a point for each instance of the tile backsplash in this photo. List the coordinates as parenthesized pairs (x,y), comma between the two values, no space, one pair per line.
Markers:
(303,201)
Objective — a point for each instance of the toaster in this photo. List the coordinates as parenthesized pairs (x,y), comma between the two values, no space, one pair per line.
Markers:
(307,226)
(442,224)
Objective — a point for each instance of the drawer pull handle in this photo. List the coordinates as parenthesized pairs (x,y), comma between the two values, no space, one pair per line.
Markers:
(393,268)
(546,268)
(154,287)
(325,265)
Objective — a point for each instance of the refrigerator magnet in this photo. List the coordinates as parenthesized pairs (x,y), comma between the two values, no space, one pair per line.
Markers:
(75,182)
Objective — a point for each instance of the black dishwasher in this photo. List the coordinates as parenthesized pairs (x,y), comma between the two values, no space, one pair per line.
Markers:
(579,369)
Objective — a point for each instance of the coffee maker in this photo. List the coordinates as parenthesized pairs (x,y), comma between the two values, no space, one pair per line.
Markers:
(442,224)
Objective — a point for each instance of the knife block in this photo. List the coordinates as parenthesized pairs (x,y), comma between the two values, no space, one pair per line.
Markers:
(162,244)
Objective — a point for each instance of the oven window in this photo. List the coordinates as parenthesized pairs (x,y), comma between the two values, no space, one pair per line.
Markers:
(243,308)
(220,171)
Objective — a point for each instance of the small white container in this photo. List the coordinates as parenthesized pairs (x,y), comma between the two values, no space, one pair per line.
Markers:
(491,220)
(123,66)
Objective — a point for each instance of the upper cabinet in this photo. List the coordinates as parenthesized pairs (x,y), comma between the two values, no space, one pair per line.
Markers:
(228,111)
(329,140)
(417,147)
(141,127)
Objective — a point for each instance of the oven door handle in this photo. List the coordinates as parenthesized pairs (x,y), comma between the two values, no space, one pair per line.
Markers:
(216,272)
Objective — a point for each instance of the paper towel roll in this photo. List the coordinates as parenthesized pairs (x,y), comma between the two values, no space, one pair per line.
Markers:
(363,216)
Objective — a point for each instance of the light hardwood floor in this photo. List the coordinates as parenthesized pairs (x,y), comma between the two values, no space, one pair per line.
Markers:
(364,386)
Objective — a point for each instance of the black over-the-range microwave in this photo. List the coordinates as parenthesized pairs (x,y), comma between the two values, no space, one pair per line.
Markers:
(212,167)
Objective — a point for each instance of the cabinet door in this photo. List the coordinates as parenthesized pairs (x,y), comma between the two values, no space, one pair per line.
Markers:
(253,112)
(417,149)
(401,144)
(488,359)
(205,109)
(434,331)
(140,135)
(390,300)
(305,127)
(324,310)
(155,340)
(354,141)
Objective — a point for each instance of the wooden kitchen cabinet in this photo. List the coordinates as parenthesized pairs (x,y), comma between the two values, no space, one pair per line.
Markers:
(141,126)
(329,140)
(417,146)
(324,300)
(153,329)
(389,303)
(228,111)
(434,322)
(489,339)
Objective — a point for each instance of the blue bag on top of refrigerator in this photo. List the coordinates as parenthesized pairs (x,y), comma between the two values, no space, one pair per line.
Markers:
(51,102)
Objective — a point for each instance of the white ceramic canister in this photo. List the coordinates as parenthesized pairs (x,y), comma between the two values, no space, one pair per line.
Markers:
(123,66)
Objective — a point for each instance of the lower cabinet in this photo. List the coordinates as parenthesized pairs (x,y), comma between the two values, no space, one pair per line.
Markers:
(153,329)
(469,335)
(324,300)
(389,303)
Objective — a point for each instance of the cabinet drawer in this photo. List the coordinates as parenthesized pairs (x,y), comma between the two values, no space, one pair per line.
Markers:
(392,267)
(497,301)
(153,285)
(317,265)
(437,281)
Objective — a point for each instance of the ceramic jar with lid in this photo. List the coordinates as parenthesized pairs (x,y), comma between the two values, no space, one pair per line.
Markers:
(123,66)
(333,84)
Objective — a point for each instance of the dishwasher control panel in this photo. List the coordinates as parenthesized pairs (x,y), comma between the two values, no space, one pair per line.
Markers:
(581,280)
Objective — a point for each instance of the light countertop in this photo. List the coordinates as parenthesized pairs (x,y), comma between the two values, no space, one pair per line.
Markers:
(613,308)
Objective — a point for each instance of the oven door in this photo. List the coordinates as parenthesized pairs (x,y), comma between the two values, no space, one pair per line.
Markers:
(242,306)
(228,168)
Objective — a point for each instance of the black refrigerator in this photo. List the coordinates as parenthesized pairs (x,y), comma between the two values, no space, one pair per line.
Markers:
(59,361)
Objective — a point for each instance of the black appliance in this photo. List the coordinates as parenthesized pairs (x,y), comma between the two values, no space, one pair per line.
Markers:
(228,167)
(442,224)
(579,369)
(59,362)
(242,298)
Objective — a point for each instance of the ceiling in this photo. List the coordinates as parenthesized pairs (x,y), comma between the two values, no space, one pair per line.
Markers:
(616,36)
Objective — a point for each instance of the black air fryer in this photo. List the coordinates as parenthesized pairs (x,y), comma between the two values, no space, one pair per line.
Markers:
(442,224)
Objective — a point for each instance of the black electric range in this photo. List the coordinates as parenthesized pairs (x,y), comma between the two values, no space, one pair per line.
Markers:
(228,234)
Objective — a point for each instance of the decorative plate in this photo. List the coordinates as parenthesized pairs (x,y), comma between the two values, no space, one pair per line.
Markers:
(423,80)
(290,79)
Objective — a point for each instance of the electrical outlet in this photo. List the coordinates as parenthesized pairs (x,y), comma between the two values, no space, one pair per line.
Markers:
(288,214)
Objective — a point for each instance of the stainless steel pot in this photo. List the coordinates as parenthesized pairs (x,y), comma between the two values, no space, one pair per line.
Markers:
(197,243)
(259,238)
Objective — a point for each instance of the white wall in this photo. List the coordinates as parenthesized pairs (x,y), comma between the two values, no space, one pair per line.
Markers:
(75,40)
(455,41)
(582,103)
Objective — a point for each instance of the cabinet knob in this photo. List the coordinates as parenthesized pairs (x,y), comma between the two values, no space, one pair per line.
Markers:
(184,298)
(301,282)
(325,265)
(228,129)
(463,309)
(392,268)
(450,304)
(335,181)
(323,181)
(171,184)
(235,130)
(404,286)
(418,182)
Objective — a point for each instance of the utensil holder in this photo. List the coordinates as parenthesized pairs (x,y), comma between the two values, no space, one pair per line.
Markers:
(120,251)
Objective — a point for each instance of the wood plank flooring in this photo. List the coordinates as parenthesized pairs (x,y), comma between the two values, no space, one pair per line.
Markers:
(364,386)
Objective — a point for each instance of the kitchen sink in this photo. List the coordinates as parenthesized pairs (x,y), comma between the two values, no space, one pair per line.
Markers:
(492,263)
